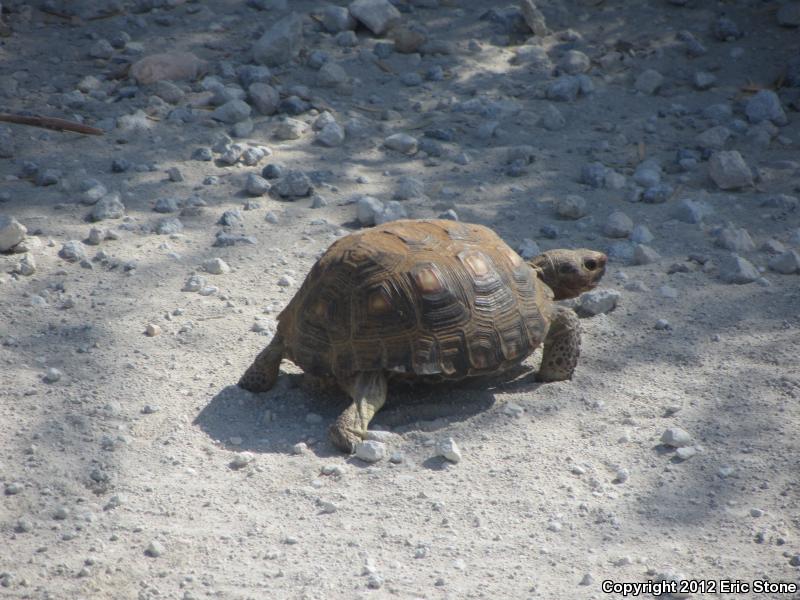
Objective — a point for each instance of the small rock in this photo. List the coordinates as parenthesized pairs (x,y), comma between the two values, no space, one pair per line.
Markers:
(331,135)
(255,185)
(649,82)
(216,266)
(108,207)
(735,240)
(166,205)
(735,269)
(299,448)
(370,451)
(281,42)
(765,105)
(675,437)
(663,325)
(232,112)
(597,302)
(401,142)
(685,452)
(618,225)
(331,74)
(152,330)
(287,281)
(174,66)
(691,211)
(644,255)
(264,98)
(564,88)
(154,549)
(73,251)
(12,232)
(448,449)
(786,263)
(241,460)
(290,129)
(552,119)
(169,226)
(703,80)
(534,18)
(377,15)
(571,207)
(574,62)
(52,375)
(528,249)
(392,211)
(295,184)
(587,579)
(729,171)
(335,19)
(409,187)
(26,265)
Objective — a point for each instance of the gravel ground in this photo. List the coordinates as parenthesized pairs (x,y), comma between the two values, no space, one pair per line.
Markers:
(141,271)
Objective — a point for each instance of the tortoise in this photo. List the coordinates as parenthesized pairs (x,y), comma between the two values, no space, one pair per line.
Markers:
(425,300)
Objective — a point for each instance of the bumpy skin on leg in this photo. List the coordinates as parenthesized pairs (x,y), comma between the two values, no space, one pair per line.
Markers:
(561,347)
(263,373)
(368,391)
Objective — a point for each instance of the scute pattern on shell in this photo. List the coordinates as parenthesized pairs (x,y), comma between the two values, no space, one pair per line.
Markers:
(427,298)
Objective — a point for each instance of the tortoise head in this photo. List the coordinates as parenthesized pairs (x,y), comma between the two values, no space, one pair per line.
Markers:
(569,273)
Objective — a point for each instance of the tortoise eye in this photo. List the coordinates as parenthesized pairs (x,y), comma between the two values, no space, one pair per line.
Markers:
(590,264)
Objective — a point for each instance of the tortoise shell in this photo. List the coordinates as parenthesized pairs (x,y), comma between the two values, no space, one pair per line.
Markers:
(424,297)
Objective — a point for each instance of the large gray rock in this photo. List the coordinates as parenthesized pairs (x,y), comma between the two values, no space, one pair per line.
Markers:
(729,171)
(281,42)
(12,232)
(692,211)
(294,184)
(765,106)
(73,251)
(376,15)
(735,269)
(367,209)
(108,207)
(787,263)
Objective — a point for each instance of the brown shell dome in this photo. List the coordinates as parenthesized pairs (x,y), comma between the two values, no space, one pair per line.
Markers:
(426,298)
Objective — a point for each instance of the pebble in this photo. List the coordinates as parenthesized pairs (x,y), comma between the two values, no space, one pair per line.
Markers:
(675,437)
(449,450)
(241,460)
(685,452)
(232,112)
(528,249)
(571,207)
(281,42)
(272,171)
(663,325)
(649,82)
(552,119)
(216,266)
(786,263)
(725,30)
(714,138)
(12,232)
(295,184)
(290,129)
(166,205)
(409,187)
(641,235)
(401,142)
(574,62)
(108,207)
(169,226)
(765,105)
(618,225)
(255,185)
(154,549)
(392,211)
(597,302)
(370,451)
(587,579)
(73,251)
(299,448)
(13,487)
(691,211)
(376,15)
(729,170)
(287,281)
(735,240)
(152,330)
(264,98)
(565,88)
(26,265)
(703,80)
(367,209)
(335,19)
(735,269)
(644,255)
(331,74)
(331,135)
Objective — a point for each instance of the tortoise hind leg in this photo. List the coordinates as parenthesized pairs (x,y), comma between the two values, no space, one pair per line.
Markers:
(562,346)
(262,374)
(368,391)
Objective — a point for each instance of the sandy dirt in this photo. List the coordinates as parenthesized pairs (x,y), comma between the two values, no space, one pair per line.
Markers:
(139,470)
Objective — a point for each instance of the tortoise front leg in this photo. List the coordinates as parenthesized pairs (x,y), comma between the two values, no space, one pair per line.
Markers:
(368,391)
(562,346)
(263,373)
